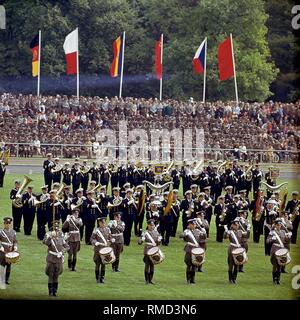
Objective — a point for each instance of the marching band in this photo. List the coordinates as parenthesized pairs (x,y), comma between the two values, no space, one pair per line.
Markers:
(138,192)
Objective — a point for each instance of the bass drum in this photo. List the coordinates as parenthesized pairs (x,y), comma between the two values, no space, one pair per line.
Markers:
(156,255)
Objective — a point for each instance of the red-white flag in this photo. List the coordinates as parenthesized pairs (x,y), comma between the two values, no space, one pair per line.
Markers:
(158,58)
(71,49)
(225,59)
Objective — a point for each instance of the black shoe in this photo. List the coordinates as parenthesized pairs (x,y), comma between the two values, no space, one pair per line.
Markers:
(188,277)
(50,289)
(230,276)
(70,265)
(54,290)
(74,265)
(146,277)
(6,282)
(97,276)
(274,277)
(150,275)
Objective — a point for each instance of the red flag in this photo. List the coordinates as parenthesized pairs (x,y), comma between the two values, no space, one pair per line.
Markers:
(158,59)
(71,51)
(225,60)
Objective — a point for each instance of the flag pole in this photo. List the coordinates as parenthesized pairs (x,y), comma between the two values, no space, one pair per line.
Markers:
(161,61)
(39,65)
(204,75)
(77,62)
(235,83)
(122,66)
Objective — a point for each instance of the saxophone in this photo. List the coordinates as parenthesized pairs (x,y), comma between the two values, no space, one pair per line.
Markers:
(258,207)
(223,213)
(295,213)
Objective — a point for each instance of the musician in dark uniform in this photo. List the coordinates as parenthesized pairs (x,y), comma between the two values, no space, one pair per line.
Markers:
(149,177)
(187,207)
(276,239)
(54,209)
(16,212)
(104,175)
(129,210)
(220,211)
(293,207)
(166,220)
(256,178)
(175,209)
(270,181)
(56,171)
(41,213)
(72,226)
(47,166)
(257,208)
(287,225)
(230,178)
(76,176)
(192,237)
(124,189)
(152,210)
(233,209)
(208,208)
(8,243)
(114,178)
(151,238)
(66,202)
(114,202)
(203,180)
(139,219)
(175,174)
(228,194)
(90,215)
(28,210)
(103,201)
(122,173)
(77,202)
(270,217)
(84,175)
(241,179)
(194,189)
(100,238)
(186,178)
(2,172)
(67,174)
(117,227)
(57,246)
(245,226)
(95,173)
(216,185)
(235,237)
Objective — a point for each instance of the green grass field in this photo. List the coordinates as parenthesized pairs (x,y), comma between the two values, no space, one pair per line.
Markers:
(28,280)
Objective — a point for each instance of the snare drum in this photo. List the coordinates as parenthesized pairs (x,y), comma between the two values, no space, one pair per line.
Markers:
(283,257)
(12,257)
(107,255)
(156,255)
(239,256)
(198,256)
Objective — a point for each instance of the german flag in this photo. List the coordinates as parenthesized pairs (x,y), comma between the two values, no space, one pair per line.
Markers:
(35,47)
(115,69)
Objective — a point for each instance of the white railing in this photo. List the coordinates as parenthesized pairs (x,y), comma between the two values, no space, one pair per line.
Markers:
(87,152)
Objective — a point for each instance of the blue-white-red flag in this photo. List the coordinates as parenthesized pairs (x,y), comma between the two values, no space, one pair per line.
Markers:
(199,58)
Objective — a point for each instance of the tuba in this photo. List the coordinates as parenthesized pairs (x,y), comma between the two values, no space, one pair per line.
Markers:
(166,173)
(43,199)
(17,202)
(169,203)
(57,168)
(221,168)
(295,213)
(116,202)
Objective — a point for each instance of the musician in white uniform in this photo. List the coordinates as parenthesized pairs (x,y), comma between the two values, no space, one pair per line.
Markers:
(151,238)
(72,226)
(100,238)
(192,237)
(8,243)
(235,237)
(276,238)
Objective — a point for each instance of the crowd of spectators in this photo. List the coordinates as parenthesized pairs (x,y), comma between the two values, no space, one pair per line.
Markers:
(62,120)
